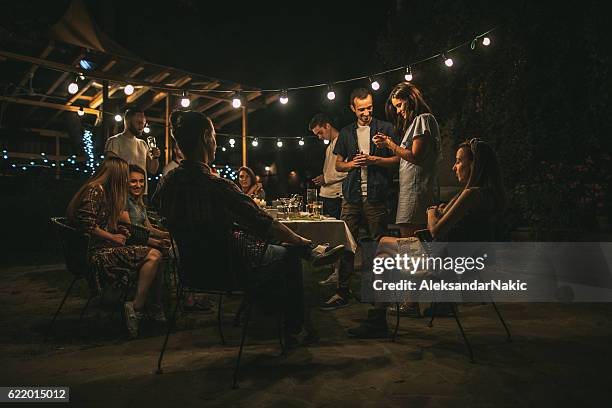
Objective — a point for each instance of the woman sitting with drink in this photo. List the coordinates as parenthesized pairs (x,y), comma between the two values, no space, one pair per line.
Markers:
(249,185)
(95,209)
(469,217)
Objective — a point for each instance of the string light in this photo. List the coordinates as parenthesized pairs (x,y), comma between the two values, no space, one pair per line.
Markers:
(129,89)
(301,142)
(89,148)
(408,76)
(237,102)
(326,141)
(279,143)
(118,118)
(73,87)
(185,100)
(147,129)
(374,84)
(255,143)
(81,112)
(223,149)
(486,41)
(447,61)
(284,98)
(331,95)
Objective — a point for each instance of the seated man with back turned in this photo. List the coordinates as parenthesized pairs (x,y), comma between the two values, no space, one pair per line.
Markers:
(208,215)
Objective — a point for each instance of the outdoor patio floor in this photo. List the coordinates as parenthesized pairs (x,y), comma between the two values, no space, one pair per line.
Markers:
(559,356)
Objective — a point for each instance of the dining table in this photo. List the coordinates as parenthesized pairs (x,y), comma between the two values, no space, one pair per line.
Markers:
(324,230)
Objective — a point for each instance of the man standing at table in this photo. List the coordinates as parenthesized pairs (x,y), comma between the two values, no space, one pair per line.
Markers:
(366,185)
(331,179)
(128,146)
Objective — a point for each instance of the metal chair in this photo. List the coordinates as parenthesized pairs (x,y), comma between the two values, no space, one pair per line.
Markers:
(74,247)
(221,283)
(425,238)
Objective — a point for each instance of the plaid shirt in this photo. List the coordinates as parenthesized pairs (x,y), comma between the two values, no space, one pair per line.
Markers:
(200,206)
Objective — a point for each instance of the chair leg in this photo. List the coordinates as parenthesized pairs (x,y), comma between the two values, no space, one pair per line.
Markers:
(239,313)
(244,333)
(432,310)
(397,320)
(85,307)
(503,322)
(280,320)
(171,325)
(465,339)
(219,322)
(48,331)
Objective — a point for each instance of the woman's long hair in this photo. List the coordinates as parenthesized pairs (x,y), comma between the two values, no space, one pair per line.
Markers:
(415,105)
(112,176)
(484,170)
(251,174)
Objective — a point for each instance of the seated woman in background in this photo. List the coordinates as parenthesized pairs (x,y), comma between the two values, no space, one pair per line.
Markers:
(469,217)
(136,212)
(95,210)
(249,185)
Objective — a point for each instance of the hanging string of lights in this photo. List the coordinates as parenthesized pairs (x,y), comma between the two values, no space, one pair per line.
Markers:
(238,99)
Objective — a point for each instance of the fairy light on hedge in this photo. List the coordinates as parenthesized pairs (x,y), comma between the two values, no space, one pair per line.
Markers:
(89,148)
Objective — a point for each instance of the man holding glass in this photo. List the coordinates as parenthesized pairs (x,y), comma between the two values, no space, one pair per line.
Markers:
(128,146)
(366,185)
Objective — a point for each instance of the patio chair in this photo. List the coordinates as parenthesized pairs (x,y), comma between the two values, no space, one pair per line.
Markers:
(74,248)
(193,277)
(426,239)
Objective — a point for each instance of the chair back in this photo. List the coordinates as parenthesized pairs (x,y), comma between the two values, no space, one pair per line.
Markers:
(74,247)
(206,263)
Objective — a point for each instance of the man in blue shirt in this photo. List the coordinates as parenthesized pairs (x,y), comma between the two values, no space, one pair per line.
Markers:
(366,185)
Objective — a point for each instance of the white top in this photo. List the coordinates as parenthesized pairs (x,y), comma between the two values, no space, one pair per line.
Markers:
(170,166)
(131,149)
(363,140)
(333,178)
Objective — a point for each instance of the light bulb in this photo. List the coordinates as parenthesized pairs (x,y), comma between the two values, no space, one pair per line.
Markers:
(408,76)
(279,143)
(301,142)
(118,118)
(326,141)
(448,62)
(80,112)
(331,95)
(236,102)
(284,98)
(223,149)
(255,143)
(129,89)
(185,102)
(486,41)
(73,88)
(147,129)
(375,85)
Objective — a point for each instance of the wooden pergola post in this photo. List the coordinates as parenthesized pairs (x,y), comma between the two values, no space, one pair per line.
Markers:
(167,127)
(244,133)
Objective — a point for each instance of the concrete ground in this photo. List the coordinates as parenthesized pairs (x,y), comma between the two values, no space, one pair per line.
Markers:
(560,356)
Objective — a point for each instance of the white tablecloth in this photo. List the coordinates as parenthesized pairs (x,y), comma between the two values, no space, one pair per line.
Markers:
(332,231)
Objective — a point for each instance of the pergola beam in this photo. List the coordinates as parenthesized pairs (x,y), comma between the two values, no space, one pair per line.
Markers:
(44,54)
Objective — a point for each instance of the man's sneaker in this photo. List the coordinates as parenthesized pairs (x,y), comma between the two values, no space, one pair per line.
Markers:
(332,279)
(325,255)
(335,302)
(132,319)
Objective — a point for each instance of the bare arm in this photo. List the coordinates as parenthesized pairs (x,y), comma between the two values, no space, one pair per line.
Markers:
(439,225)
(152,164)
(420,145)
(343,166)
(281,233)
